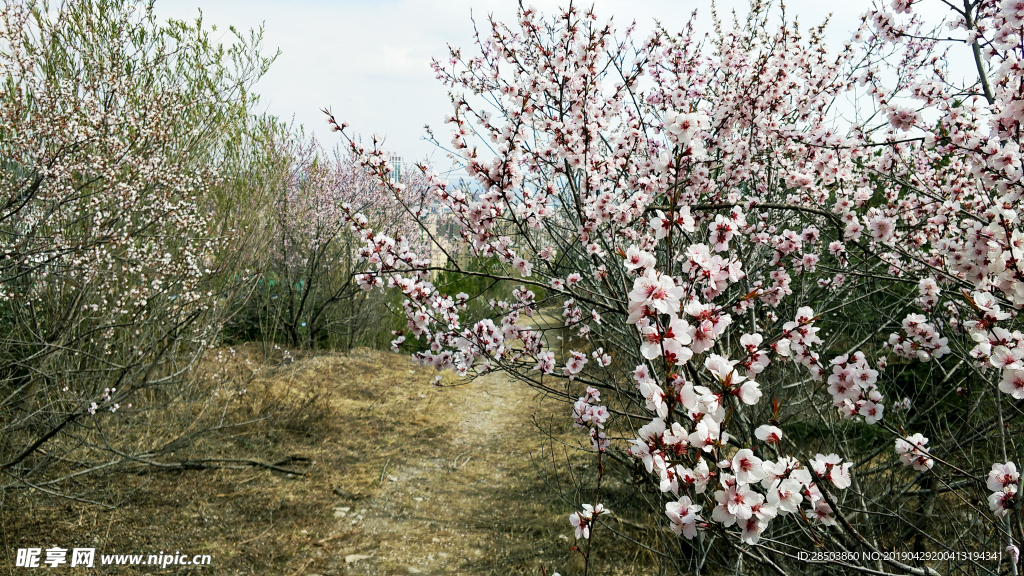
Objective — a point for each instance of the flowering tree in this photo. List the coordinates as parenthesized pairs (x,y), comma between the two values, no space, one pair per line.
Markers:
(796,316)
(111,126)
(309,293)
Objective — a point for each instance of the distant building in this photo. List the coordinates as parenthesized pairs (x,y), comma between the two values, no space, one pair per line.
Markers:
(396,167)
(429,237)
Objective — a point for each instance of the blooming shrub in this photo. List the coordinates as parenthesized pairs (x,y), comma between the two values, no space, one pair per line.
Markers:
(308,293)
(765,274)
(108,252)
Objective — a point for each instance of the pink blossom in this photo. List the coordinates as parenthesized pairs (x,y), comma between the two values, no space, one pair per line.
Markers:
(583,520)
(684,516)
(747,467)
(912,453)
(768,433)
(1012,383)
(1003,475)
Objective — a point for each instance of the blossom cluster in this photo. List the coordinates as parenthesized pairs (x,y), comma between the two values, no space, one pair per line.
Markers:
(583,521)
(1002,482)
(912,452)
(919,339)
(587,414)
(854,388)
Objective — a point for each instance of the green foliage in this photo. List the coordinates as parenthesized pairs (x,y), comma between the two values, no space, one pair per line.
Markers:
(481,289)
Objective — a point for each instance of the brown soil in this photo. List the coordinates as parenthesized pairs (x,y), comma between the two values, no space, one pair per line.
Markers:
(403,477)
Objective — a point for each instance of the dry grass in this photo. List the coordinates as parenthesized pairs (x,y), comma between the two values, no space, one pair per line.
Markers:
(415,477)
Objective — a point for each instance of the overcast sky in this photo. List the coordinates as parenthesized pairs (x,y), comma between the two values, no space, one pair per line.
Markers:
(369,60)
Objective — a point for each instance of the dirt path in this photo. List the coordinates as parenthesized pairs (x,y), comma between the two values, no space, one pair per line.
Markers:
(401,477)
(465,505)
